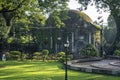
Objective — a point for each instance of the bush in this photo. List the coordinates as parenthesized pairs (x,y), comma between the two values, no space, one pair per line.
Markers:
(8,55)
(15,55)
(45,53)
(15,52)
(24,56)
(117,52)
(89,51)
(62,57)
(61,54)
(36,55)
(52,57)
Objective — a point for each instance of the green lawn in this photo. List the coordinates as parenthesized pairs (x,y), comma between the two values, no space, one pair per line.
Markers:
(51,70)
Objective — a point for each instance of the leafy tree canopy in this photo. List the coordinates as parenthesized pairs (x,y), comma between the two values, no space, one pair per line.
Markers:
(29,11)
(12,8)
(112,5)
(52,5)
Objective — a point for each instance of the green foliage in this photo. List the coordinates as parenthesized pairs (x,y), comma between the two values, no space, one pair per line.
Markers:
(8,55)
(37,55)
(22,8)
(15,55)
(15,52)
(45,53)
(117,52)
(10,40)
(89,51)
(112,6)
(27,15)
(110,30)
(61,54)
(52,5)
(62,57)
(98,26)
(100,4)
(24,56)
(56,19)
(52,57)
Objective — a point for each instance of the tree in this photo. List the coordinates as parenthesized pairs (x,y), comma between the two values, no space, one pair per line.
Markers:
(14,8)
(20,12)
(27,9)
(49,6)
(110,31)
(108,5)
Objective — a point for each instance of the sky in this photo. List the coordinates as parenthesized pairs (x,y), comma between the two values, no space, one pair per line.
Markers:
(91,11)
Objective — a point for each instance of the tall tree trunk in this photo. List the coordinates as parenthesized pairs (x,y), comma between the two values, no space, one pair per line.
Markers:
(8,19)
(8,16)
(7,32)
(116,43)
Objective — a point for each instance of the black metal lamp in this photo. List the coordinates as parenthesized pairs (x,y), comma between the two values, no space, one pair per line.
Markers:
(66,45)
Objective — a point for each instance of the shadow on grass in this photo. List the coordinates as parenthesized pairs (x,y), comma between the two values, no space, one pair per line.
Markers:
(51,70)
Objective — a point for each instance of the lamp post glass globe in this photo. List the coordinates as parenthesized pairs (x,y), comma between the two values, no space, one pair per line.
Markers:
(67,44)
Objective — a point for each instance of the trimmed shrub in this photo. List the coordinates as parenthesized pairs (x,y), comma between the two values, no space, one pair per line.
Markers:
(15,52)
(36,55)
(24,56)
(62,57)
(89,51)
(117,52)
(61,54)
(8,55)
(15,55)
(52,57)
(45,53)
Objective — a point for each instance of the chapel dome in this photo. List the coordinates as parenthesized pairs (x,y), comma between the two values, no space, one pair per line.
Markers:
(82,15)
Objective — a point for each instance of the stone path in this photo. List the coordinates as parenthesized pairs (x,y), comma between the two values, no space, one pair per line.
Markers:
(105,64)
(102,66)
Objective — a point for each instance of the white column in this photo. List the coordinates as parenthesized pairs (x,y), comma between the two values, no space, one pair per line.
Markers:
(72,41)
(51,42)
(90,37)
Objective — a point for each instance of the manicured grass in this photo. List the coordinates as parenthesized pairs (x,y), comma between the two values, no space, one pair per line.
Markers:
(51,70)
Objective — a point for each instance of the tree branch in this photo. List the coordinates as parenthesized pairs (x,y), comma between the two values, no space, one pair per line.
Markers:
(12,10)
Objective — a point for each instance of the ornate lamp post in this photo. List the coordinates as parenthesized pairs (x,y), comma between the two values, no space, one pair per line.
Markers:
(66,45)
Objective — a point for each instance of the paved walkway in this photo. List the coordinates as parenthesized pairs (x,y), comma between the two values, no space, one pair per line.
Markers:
(102,66)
